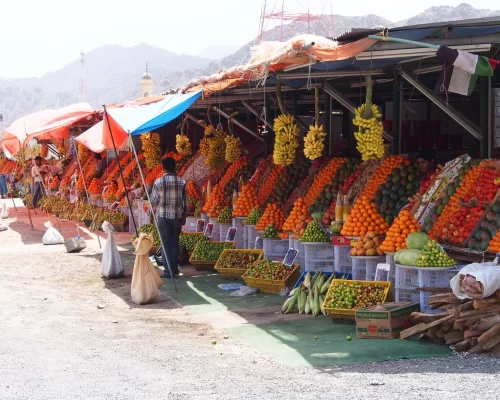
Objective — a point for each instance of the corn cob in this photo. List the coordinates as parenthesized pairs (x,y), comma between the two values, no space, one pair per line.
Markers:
(307,308)
(302,300)
(307,281)
(326,285)
(321,301)
(293,302)
(319,282)
(284,307)
(314,278)
(316,306)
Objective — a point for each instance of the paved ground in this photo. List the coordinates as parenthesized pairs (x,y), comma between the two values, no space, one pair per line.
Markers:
(56,344)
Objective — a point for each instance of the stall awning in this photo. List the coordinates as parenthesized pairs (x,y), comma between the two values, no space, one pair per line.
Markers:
(45,124)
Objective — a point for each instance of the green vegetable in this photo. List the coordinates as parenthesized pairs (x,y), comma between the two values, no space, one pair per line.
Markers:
(417,240)
(410,257)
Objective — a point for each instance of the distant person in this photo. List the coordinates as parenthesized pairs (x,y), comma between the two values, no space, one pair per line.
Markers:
(426,160)
(169,201)
(3,186)
(101,165)
(37,175)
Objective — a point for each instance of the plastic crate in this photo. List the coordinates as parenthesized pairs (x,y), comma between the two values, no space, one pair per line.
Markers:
(338,275)
(407,278)
(223,231)
(235,273)
(251,235)
(358,269)
(275,249)
(297,245)
(407,295)
(190,225)
(429,278)
(273,287)
(341,257)
(319,256)
(371,268)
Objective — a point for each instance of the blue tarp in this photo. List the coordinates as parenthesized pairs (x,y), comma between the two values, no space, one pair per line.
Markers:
(140,119)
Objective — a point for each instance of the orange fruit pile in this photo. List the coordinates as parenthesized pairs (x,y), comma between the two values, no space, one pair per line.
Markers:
(293,220)
(403,225)
(95,187)
(380,175)
(364,218)
(268,185)
(495,243)
(216,202)
(55,183)
(112,188)
(324,177)
(246,202)
(301,226)
(272,215)
(154,174)
(440,228)
(192,192)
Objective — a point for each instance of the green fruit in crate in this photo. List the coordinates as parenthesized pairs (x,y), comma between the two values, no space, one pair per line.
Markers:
(353,295)
(254,216)
(150,229)
(270,232)
(267,269)
(225,216)
(189,241)
(236,259)
(205,250)
(314,233)
(434,256)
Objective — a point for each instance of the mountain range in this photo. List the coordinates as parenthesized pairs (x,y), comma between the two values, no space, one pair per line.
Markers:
(113,72)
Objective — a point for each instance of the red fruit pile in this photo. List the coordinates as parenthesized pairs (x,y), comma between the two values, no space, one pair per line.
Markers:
(462,223)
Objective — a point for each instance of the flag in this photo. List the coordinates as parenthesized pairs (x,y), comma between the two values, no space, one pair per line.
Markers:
(460,73)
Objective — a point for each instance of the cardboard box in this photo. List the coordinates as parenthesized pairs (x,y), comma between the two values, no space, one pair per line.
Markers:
(384,321)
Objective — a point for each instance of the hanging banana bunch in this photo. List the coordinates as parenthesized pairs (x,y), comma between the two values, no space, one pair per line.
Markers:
(217,150)
(62,150)
(182,143)
(83,152)
(233,143)
(151,149)
(209,132)
(370,129)
(286,133)
(314,142)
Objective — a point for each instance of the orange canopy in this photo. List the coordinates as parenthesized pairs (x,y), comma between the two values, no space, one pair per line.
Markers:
(45,124)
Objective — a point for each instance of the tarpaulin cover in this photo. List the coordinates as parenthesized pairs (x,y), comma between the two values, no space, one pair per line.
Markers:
(45,124)
(141,119)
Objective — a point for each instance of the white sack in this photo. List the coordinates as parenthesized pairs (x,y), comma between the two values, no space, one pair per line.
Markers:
(4,213)
(487,274)
(111,263)
(52,235)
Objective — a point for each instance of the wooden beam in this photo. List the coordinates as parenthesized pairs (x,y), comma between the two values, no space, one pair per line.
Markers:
(238,123)
(195,120)
(251,108)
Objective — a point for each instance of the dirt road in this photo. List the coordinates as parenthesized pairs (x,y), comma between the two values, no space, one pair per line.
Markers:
(55,343)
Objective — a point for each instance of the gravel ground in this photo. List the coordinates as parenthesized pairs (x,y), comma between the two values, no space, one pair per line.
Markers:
(56,343)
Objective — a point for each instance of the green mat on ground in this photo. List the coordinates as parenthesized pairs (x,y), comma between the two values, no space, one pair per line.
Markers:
(290,339)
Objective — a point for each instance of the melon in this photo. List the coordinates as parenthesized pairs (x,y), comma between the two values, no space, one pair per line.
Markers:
(416,240)
(410,257)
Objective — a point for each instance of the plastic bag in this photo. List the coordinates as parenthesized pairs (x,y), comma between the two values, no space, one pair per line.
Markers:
(486,275)
(4,213)
(52,235)
(244,291)
(111,263)
(145,280)
(230,286)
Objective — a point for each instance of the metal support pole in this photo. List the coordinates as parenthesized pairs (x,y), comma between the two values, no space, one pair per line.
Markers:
(485,115)
(121,173)
(396,115)
(87,194)
(153,214)
(328,124)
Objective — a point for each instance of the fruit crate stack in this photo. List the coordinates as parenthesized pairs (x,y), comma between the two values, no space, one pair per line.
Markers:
(271,277)
(341,259)
(239,239)
(223,228)
(251,235)
(232,264)
(275,249)
(190,226)
(364,268)
(301,258)
(319,256)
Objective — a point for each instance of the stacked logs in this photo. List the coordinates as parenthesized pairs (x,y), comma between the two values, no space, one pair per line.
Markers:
(471,326)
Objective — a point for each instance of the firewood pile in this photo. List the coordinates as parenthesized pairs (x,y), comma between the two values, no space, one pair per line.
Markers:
(471,326)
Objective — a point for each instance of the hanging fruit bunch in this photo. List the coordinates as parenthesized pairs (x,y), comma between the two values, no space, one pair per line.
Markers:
(233,143)
(62,150)
(217,150)
(44,151)
(151,148)
(286,140)
(204,143)
(314,142)
(370,133)
(182,143)
(83,152)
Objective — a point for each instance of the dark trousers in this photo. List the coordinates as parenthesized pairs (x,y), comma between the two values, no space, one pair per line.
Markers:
(169,230)
(37,193)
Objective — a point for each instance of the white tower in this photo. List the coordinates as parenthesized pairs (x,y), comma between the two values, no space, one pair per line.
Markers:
(146,84)
(82,98)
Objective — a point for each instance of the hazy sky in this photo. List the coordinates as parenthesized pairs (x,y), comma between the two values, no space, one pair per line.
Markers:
(39,36)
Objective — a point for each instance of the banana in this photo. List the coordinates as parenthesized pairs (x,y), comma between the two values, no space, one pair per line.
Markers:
(151,149)
(183,145)
(233,148)
(370,141)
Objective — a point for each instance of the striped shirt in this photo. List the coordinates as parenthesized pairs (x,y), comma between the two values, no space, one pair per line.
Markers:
(170,196)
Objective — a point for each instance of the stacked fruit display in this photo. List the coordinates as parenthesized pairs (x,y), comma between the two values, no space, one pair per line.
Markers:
(246,201)
(225,216)
(323,178)
(183,145)
(237,259)
(270,232)
(353,295)
(314,233)
(55,183)
(151,149)
(268,185)
(286,140)
(295,217)
(403,182)
(254,216)
(289,178)
(95,187)
(83,152)
(189,241)
(494,244)
(434,256)
(272,215)
(206,250)
(267,269)
(233,148)
(401,228)
(192,191)
(330,190)
(245,168)
(368,246)
(314,142)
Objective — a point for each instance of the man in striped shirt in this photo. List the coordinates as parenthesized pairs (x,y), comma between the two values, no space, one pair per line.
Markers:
(169,201)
